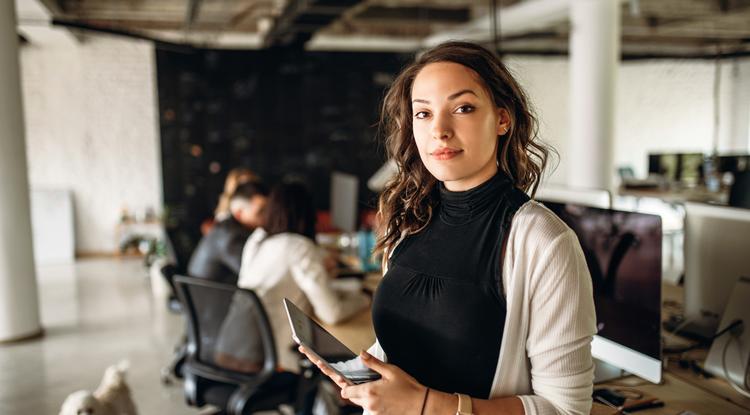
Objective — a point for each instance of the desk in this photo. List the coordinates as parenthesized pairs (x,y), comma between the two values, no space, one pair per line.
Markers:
(681,389)
(357,332)
(680,196)
(677,394)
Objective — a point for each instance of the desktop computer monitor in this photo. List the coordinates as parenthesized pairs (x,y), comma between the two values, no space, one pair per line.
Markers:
(690,168)
(623,254)
(663,165)
(717,254)
(733,163)
(686,168)
(344,188)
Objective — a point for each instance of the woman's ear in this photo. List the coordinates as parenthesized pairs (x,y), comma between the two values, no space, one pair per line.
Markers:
(503,121)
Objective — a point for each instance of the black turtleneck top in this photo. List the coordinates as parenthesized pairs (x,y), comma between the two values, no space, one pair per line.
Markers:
(439,311)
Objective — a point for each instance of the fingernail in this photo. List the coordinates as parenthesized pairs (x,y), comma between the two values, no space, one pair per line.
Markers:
(364,355)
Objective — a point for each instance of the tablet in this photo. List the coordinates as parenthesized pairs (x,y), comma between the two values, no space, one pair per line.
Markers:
(333,353)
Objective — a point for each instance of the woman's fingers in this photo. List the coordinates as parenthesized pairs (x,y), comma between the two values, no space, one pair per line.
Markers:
(372,362)
(335,377)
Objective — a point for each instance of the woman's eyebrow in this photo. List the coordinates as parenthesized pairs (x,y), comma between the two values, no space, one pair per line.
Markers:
(450,97)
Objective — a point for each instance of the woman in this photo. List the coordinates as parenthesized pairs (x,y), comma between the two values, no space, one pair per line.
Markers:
(486,304)
(281,260)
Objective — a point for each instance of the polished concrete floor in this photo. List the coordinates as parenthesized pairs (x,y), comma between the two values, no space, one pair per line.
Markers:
(95,313)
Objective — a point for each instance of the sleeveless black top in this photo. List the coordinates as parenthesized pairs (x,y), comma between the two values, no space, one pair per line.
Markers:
(439,311)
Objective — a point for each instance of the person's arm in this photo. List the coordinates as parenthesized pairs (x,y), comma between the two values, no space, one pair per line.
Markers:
(562,322)
(231,252)
(308,271)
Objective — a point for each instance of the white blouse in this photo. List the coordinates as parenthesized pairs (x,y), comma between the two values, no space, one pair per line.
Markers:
(291,265)
(545,355)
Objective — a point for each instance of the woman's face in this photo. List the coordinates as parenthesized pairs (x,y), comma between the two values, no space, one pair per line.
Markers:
(456,125)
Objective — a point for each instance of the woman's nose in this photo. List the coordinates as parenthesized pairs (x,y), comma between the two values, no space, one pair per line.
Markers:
(441,128)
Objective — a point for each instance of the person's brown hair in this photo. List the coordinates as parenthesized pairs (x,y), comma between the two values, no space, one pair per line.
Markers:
(290,208)
(407,203)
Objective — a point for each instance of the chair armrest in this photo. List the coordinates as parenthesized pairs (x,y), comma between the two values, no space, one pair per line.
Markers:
(222,375)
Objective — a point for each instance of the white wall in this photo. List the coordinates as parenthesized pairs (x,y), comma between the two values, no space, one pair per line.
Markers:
(92,127)
(662,105)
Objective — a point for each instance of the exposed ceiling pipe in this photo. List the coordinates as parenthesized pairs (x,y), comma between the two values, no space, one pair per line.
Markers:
(193,10)
(519,18)
(524,17)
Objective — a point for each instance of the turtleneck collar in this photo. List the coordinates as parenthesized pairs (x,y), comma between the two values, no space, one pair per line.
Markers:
(461,207)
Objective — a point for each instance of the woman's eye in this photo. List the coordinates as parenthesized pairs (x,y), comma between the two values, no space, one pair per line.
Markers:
(421,115)
(463,109)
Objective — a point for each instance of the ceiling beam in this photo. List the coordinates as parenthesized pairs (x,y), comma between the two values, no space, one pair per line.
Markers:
(300,19)
(83,26)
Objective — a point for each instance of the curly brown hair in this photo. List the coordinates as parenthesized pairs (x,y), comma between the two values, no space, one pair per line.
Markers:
(407,203)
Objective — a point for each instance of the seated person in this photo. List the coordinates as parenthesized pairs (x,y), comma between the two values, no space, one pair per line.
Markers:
(281,260)
(236,177)
(219,252)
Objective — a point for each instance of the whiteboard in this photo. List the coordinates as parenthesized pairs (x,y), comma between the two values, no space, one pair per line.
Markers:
(52,226)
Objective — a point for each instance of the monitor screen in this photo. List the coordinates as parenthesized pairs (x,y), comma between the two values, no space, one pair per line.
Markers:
(623,254)
(734,163)
(344,189)
(691,168)
(664,165)
(677,167)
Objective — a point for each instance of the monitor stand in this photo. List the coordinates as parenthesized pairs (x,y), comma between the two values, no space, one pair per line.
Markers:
(604,372)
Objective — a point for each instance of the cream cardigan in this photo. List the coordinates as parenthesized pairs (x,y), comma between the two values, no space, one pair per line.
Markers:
(545,355)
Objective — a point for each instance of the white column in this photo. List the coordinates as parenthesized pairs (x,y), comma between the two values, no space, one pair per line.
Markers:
(594,59)
(734,110)
(19,305)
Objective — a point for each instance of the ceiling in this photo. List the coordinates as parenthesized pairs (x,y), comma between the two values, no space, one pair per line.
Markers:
(650,28)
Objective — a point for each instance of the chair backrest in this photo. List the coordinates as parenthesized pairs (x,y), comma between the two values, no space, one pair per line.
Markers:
(739,194)
(228,328)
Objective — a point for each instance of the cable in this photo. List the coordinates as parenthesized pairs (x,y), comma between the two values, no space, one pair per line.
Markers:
(742,391)
(698,345)
(495,25)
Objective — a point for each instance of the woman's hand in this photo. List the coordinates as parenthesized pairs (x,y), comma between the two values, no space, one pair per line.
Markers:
(396,393)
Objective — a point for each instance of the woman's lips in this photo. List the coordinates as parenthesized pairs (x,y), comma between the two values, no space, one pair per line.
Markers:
(445,153)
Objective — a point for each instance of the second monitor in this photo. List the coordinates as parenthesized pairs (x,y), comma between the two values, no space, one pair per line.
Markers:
(623,254)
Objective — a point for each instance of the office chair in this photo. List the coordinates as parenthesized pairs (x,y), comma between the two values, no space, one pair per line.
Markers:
(231,354)
(739,194)
(173,370)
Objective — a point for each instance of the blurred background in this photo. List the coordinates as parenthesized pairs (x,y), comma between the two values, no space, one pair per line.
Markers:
(121,119)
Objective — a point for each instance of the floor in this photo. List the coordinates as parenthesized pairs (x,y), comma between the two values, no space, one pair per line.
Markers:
(95,313)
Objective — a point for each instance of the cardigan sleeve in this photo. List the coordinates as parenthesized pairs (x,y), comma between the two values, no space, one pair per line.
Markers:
(309,273)
(561,325)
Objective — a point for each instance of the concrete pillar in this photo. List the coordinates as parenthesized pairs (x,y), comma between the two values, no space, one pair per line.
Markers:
(594,59)
(734,110)
(19,304)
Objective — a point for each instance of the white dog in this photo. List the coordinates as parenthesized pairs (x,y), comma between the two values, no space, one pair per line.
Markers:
(112,397)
